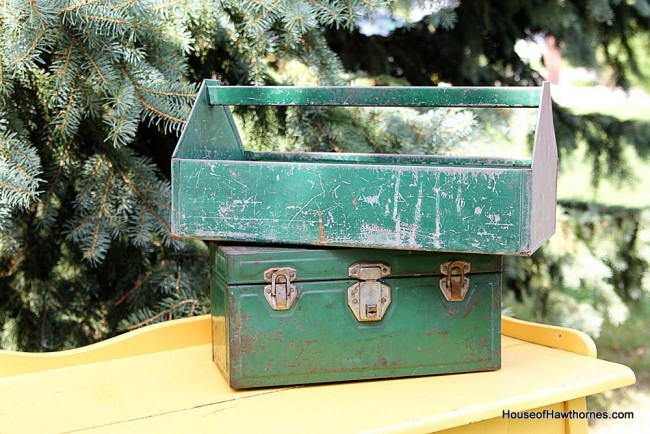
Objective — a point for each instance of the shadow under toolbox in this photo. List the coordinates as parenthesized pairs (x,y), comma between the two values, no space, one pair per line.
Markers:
(220,191)
(294,316)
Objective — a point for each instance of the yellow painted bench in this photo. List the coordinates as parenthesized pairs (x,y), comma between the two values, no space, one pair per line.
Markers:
(161,378)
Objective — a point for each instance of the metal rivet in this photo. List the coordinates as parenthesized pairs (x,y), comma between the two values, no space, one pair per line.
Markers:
(355,301)
(268,291)
(383,300)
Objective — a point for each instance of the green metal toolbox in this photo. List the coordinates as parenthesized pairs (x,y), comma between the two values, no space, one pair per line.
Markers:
(220,191)
(288,315)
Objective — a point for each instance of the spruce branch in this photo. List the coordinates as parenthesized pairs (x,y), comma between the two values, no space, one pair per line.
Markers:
(61,72)
(90,59)
(138,284)
(76,6)
(31,48)
(94,239)
(66,112)
(167,5)
(159,112)
(124,4)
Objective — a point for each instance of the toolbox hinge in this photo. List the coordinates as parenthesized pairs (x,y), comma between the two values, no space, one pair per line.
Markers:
(454,283)
(280,294)
(369,299)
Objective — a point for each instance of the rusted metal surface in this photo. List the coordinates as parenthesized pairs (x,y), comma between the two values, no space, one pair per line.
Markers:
(474,205)
(370,298)
(455,283)
(320,340)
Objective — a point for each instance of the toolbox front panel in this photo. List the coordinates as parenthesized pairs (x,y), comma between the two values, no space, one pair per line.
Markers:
(320,340)
(460,209)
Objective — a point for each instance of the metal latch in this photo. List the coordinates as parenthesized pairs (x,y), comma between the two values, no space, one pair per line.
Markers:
(370,298)
(454,284)
(280,294)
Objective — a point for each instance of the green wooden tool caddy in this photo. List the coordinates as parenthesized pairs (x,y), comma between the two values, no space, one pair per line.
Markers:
(463,204)
(285,315)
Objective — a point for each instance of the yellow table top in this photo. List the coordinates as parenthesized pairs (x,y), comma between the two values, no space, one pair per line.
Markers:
(182,390)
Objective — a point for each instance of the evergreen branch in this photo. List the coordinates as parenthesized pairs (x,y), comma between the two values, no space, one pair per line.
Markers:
(177,283)
(14,188)
(95,236)
(135,287)
(20,168)
(67,59)
(67,109)
(141,227)
(1,72)
(100,161)
(169,312)
(15,151)
(165,62)
(265,12)
(166,5)
(145,202)
(123,4)
(152,201)
(76,5)
(376,145)
(158,112)
(320,5)
(350,14)
(232,36)
(32,47)
(93,63)
(53,184)
(372,4)
(104,19)
(163,93)
(306,45)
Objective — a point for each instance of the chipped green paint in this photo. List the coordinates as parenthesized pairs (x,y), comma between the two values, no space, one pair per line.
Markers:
(320,340)
(405,96)
(473,205)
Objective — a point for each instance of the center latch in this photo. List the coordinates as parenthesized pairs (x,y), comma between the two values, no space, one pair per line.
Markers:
(280,294)
(369,299)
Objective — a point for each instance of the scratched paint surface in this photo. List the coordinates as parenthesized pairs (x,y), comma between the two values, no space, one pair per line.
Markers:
(459,209)
(475,205)
(405,96)
(320,340)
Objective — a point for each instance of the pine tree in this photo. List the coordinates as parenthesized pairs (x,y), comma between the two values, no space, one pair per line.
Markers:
(86,89)
(94,92)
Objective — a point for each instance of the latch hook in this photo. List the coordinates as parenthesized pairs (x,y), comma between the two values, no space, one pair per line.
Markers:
(280,294)
(454,284)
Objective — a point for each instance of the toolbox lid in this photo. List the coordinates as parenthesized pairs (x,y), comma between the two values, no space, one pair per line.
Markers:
(247,264)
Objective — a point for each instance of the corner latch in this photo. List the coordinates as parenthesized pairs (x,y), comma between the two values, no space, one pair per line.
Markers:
(280,294)
(454,284)
(370,298)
